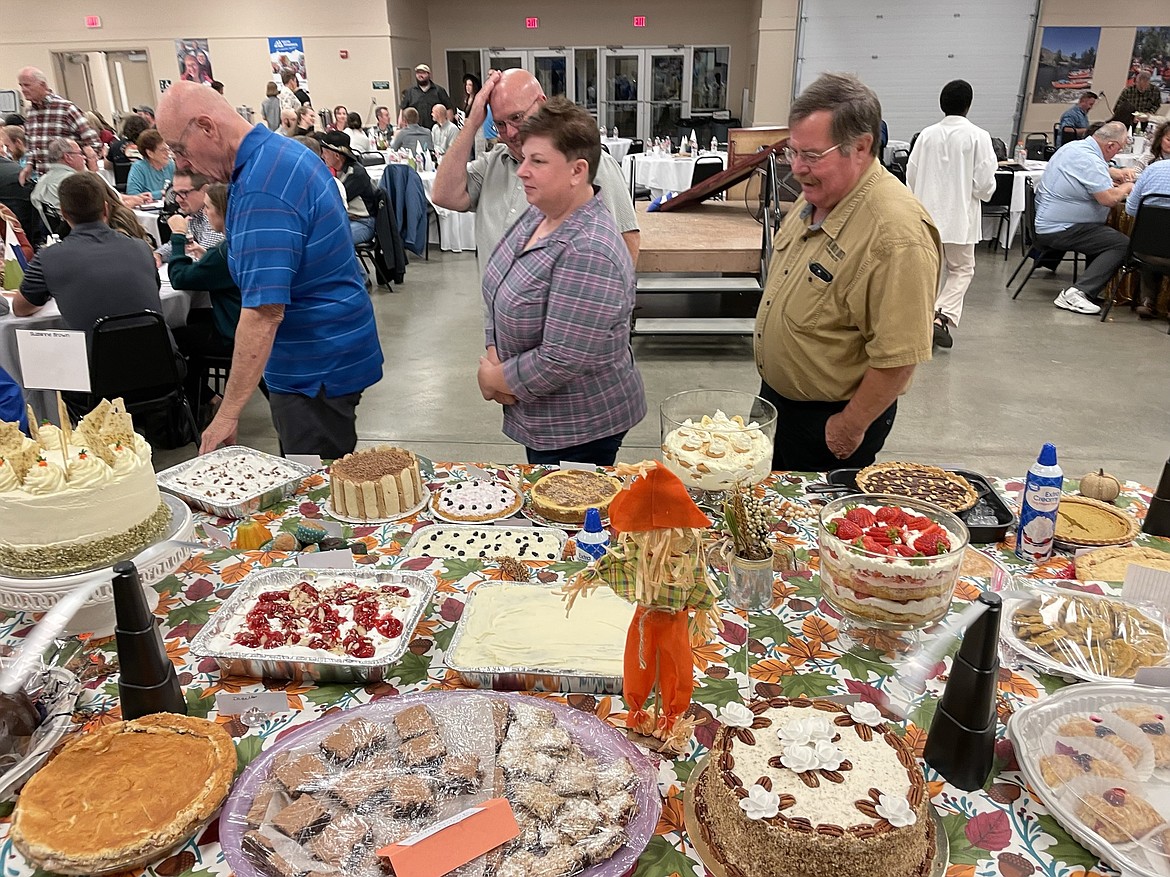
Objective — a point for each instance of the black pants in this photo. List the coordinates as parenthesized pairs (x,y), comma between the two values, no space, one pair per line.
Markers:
(599,452)
(1104,249)
(198,340)
(800,435)
(326,426)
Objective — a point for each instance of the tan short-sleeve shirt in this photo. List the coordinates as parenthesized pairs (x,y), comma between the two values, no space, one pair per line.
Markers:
(869,303)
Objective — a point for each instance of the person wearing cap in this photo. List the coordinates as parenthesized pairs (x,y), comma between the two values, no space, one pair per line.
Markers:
(424,94)
(360,195)
(657,562)
(146,111)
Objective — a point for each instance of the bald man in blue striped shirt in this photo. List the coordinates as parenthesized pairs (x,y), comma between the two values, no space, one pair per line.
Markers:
(307,324)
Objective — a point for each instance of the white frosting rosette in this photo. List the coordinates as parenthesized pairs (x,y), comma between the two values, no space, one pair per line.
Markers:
(760,803)
(895,810)
(8,477)
(44,478)
(806,731)
(125,459)
(864,713)
(88,471)
(736,715)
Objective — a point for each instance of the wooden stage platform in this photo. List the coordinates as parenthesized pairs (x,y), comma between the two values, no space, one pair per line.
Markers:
(713,236)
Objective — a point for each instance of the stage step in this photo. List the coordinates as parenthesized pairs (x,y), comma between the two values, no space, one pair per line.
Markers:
(657,283)
(694,326)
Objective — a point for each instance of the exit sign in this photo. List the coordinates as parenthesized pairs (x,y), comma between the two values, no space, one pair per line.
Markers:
(532,23)
(639,21)
(93,21)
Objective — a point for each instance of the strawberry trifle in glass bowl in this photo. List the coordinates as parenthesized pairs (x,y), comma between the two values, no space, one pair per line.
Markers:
(889,565)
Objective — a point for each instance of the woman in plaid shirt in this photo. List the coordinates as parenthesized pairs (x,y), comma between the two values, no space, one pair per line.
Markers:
(559,292)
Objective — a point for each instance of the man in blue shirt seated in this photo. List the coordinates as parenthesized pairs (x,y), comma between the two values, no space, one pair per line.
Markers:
(307,323)
(1073,201)
(1076,117)
(1155,179)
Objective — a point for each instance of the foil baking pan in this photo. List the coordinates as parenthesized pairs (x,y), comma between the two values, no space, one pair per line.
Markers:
(524,678)
(168,478)
(273,664)
(413,546)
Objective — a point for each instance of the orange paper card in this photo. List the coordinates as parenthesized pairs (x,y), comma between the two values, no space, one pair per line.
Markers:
(446,845)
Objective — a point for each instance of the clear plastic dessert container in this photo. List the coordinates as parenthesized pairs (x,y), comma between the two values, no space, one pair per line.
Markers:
(897,593)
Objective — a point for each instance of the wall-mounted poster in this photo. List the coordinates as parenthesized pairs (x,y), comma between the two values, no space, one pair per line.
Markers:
(1065,68)
(194,61)
(1151,54)
(288,52)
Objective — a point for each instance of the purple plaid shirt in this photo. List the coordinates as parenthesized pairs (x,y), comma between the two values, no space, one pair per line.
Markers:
(558,314)
(56,117)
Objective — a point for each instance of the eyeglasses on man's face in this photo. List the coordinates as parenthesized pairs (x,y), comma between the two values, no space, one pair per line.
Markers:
(806,156)
(517,119)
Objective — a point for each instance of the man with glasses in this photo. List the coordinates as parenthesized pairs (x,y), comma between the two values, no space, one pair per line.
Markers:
(189,191)
(489,185)
(846,312)
(66,160)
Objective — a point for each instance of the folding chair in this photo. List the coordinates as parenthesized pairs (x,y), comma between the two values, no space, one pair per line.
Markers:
(1150,238)
(1034,251)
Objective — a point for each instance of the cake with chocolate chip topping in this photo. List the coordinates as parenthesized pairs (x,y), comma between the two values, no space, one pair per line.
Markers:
(815,788)
(475,501)
(373,484)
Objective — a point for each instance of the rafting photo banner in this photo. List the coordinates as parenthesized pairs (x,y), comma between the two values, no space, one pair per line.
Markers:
(1065,66)
(1151,54)
(288,52)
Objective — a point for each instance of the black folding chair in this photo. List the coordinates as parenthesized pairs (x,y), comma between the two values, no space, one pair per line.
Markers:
(372,159)
(1150,238)
(54,222)
(132,356)
(1033,250)
(898,162)
(638,192)
(999,148)
(1036,146)
(1000,207)
(707,166)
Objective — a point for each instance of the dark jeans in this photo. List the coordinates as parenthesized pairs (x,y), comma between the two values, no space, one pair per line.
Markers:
(800,435)
(1152,277)
(600,452)
(1104,249)
(326,426)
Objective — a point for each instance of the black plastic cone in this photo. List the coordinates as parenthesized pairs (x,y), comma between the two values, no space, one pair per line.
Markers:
(147,682)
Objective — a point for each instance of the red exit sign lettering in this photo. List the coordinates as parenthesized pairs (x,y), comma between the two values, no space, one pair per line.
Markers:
(93,21)
(532,23)
(639,21)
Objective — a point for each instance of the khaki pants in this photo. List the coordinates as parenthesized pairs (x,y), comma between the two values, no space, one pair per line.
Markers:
(957,271)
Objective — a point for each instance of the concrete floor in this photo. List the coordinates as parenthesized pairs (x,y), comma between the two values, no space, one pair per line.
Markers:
(1021,373)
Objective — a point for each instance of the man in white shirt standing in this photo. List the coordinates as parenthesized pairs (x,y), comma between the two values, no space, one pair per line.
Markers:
(951,170)
(444,131)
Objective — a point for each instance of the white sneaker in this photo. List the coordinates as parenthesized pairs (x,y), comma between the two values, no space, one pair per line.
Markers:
(1072,299)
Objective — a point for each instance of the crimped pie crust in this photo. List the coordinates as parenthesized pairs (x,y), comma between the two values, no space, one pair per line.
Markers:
(1108,564)
(122,795)
(1088,522)
(917,481)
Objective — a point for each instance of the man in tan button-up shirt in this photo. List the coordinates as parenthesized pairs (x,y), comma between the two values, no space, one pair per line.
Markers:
(847,309)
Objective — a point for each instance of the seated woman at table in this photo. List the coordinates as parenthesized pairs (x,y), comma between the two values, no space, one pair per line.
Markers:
(360,194)
(306,121)
(559,292)
(1159,146)
(122,218)
(155,170)
(207,333)
(359,141)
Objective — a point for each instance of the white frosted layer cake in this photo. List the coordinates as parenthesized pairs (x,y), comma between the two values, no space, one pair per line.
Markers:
(527,626)
(324,619)
(900,570)
(811,788)
(718,452)
(523,543)
(77,506)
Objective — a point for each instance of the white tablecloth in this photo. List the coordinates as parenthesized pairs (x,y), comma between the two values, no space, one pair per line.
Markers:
(454,232)
(1034,172)
(618,147)
(664,173)
(1127,159)
(176,305)
(148,219)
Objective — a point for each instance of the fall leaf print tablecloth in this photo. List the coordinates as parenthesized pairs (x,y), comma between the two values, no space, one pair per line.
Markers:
(791,650)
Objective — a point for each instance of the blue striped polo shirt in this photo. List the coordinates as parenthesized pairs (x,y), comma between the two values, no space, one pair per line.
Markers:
(289,243)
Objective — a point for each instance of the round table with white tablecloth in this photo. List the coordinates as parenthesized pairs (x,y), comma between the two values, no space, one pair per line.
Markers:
(665,173)
(148,219)
(456,231)
(618,147)
(1034,171)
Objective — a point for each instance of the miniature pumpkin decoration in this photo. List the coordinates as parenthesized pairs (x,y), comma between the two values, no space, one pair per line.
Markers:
(251,535)
(1100,485)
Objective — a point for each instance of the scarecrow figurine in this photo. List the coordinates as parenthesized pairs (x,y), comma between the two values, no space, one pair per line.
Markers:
(658,562)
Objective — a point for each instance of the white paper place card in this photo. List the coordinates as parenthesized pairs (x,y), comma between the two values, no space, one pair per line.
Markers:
(217,536)
(478,473)
(342,558)
(515,522)
(239,702)
(580,467)
(1155,677)
(1144,584)
(333,528)
(313,461)
(53,359)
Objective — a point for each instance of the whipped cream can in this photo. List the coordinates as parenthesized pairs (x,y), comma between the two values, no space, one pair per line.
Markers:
(1041,498)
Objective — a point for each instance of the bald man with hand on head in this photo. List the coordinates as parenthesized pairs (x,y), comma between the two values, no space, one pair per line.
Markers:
(307,324)
(489,185)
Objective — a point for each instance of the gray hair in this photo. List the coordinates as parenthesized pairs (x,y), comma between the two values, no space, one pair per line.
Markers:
(36,74)
(1111,132)
(855,108)
(58,148)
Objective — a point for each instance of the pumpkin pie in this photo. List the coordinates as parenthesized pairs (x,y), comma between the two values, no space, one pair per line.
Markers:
(123,795)
(566,494)
(914,480)
(1087,522)
(1109,564)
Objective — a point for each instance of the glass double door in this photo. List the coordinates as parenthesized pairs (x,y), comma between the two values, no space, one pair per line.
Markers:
(645,91)
(553,68)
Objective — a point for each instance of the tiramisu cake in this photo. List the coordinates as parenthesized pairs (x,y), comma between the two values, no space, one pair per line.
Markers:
(375,483)
(813,788)
(566,494)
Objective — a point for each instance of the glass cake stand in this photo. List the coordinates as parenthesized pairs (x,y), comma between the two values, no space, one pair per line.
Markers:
(712,459)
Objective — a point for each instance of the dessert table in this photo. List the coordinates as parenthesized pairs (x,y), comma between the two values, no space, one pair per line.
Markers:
(664,173)
(792,649)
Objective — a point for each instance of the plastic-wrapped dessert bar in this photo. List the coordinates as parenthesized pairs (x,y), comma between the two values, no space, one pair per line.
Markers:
(233,482)
(327,625)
